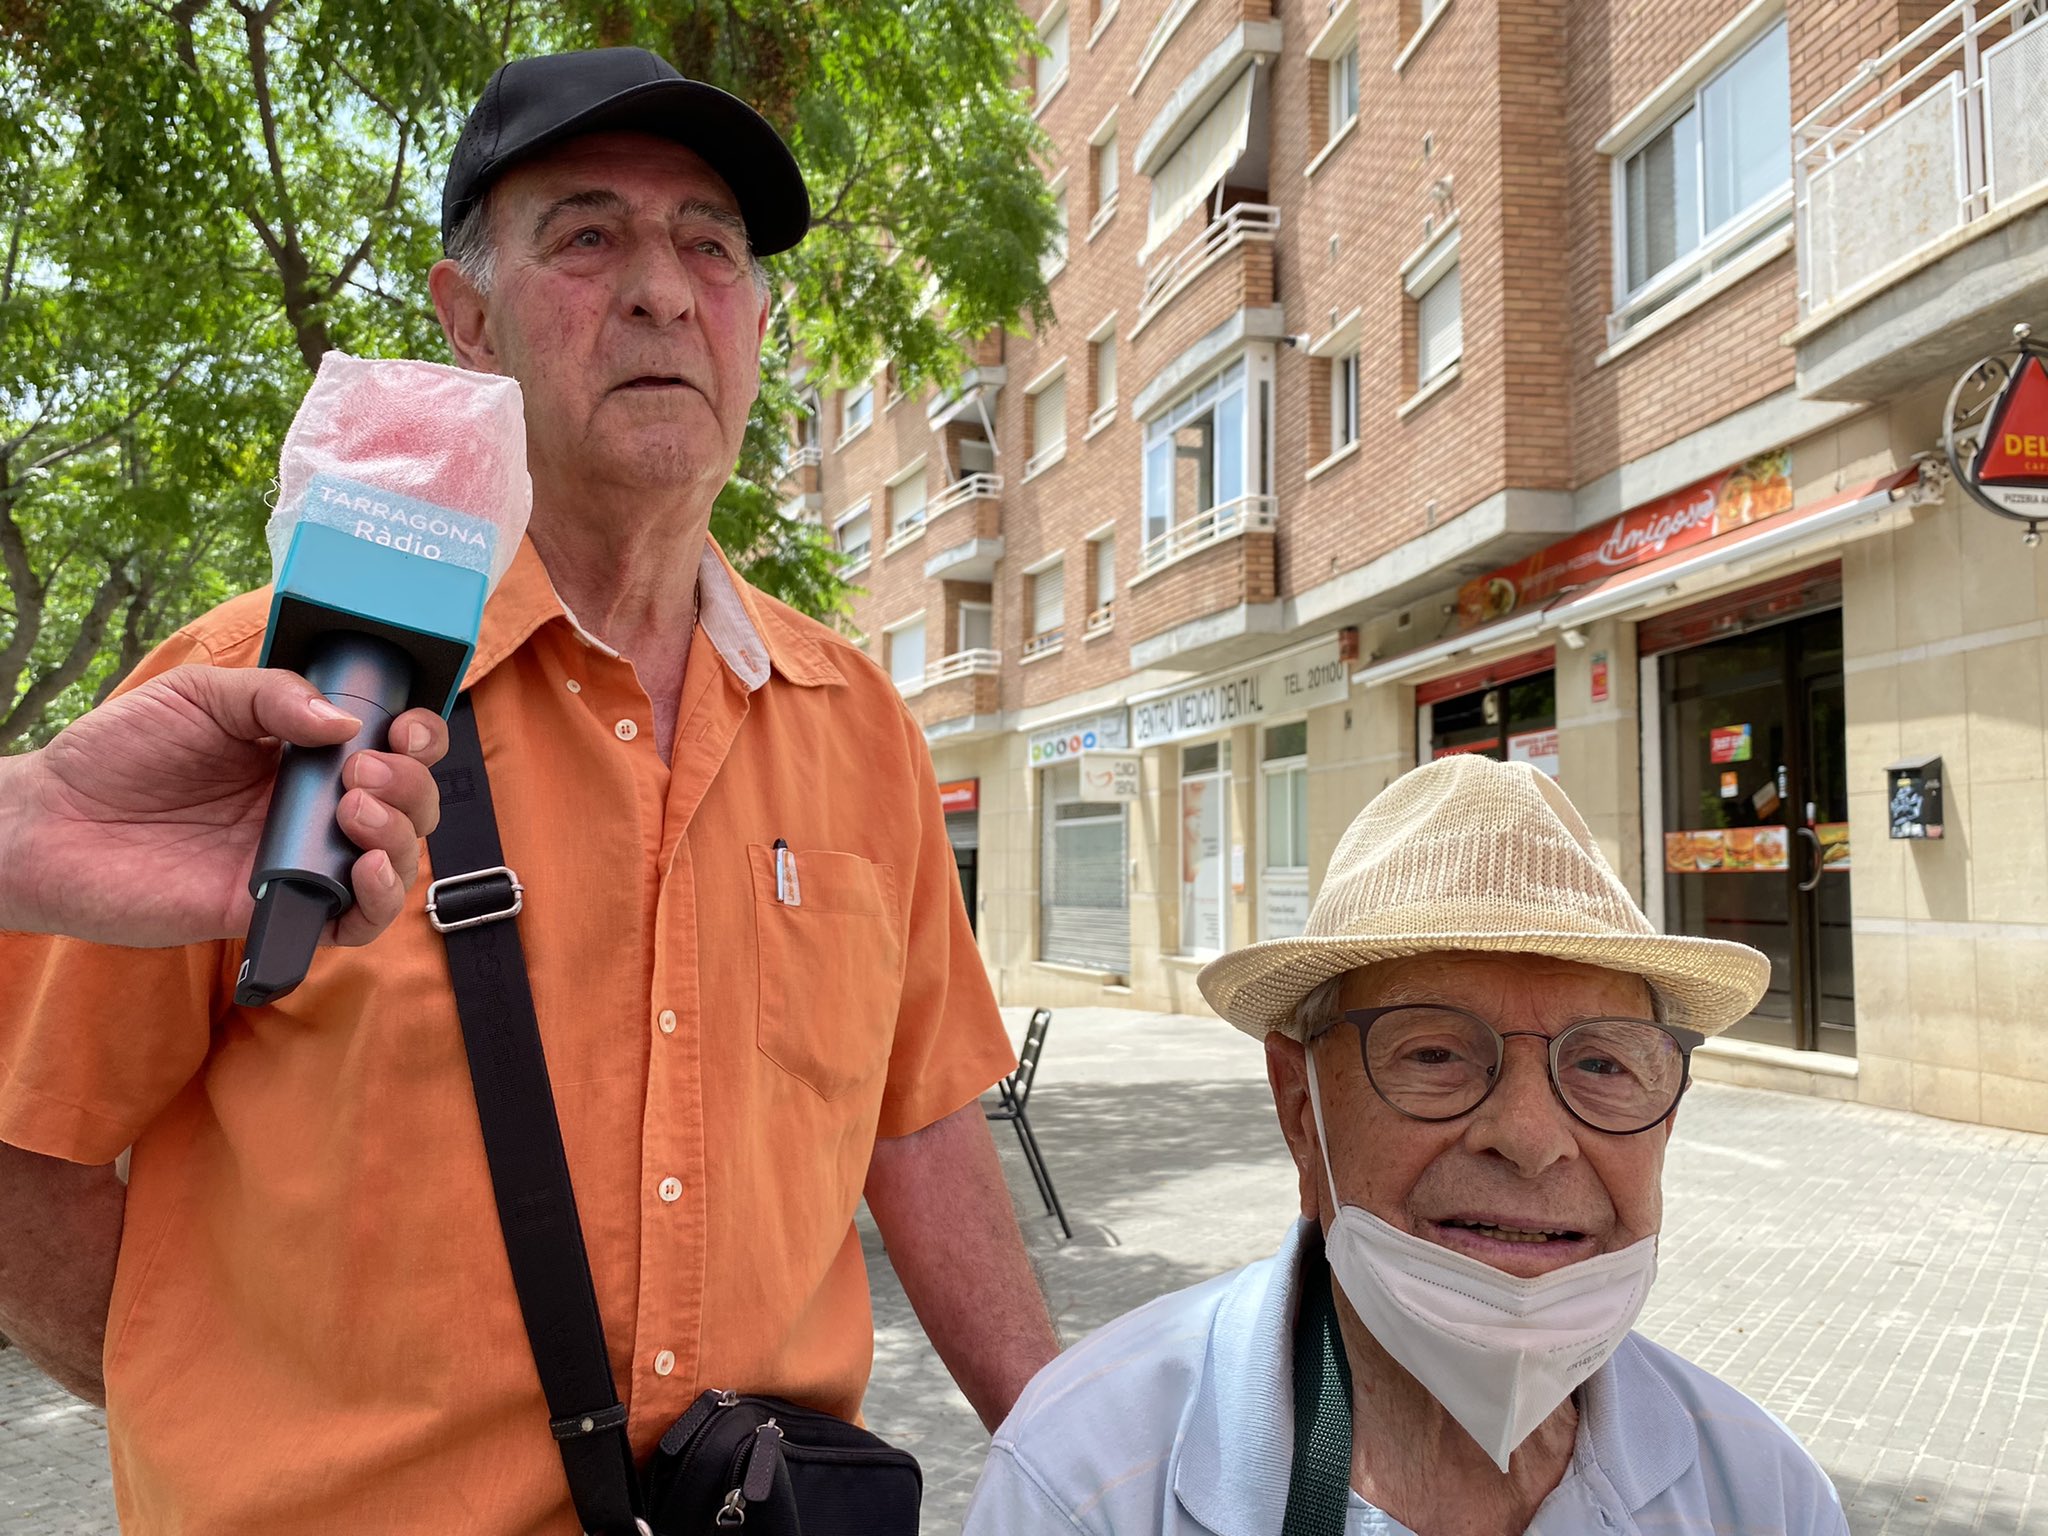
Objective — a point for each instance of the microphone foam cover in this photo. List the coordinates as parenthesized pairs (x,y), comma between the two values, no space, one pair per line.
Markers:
(416,456)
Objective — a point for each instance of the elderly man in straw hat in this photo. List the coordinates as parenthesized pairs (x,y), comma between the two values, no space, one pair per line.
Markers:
(1477,1053)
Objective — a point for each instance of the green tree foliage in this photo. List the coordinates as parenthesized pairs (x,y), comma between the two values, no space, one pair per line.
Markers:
(198,198)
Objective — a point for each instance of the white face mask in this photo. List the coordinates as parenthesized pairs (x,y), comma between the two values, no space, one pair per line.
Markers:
(1498,1351)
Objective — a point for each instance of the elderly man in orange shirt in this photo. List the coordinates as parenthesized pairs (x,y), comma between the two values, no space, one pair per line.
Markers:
(312,1324)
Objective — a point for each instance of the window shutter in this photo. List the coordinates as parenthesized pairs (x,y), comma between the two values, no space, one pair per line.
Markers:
(1048,600)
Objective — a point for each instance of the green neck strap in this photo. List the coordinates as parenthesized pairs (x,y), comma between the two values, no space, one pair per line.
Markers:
(1319,1487)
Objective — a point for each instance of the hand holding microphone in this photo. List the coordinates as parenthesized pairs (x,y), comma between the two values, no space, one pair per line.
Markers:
(136,824)
(402,498)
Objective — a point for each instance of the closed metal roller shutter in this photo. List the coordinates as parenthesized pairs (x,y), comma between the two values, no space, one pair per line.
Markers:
(1084,901)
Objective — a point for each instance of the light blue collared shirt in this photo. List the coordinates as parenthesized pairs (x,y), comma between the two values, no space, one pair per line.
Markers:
(1178,1420)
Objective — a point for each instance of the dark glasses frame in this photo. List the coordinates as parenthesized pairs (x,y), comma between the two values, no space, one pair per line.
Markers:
(1686,1040)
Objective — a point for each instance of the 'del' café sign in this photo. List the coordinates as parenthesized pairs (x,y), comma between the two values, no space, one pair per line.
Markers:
(1997,435)
(1752,491)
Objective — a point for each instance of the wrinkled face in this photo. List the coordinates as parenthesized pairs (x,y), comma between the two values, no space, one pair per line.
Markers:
(1517,1182)
(623,302)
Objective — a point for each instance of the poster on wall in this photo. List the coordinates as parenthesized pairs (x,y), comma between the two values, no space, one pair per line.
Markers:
(1538,747)
(1730,743)
(1728,850)
(1201,866)
(1752,491)
(1283,903)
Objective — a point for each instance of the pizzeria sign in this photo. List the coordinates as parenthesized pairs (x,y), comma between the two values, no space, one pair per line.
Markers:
(1750,492)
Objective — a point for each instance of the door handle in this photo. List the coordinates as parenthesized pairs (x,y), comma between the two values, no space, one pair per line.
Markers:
(1819,858)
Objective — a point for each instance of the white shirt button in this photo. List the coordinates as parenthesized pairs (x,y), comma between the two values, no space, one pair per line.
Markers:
(574,686)
(664,1362)
(626,730)
(667,1021)
(671,1190)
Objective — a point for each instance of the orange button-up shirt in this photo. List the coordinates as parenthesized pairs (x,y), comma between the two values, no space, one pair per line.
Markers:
(313,1324)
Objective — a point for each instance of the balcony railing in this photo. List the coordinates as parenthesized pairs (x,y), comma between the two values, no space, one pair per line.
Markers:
(1100,619)
(1044,643)
(977,663)
(1247,514)
(806,456)
(1045,458)
(909,531)
(1881,172)
(970,488)
(1243,222)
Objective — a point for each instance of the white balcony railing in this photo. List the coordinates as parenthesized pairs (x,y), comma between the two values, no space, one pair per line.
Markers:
(979,487)
(907,532)
(806,456)
(1247,514)
(978,663)
(1045,458)
(1100,619)
(1245,221)
(1942,129)
(1044,643)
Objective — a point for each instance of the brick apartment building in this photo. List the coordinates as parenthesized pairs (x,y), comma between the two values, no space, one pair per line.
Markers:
(1558,381)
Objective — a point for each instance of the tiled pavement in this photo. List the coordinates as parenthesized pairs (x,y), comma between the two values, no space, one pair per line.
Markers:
(1878,1280)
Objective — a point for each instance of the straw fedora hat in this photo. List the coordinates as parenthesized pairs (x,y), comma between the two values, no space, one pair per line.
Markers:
(1469,854)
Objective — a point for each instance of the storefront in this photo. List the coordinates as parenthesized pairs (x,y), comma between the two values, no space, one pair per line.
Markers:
(961,801)
(1506,710)
(1254,715)
(1084,916)
(1727,767)
(1745,755)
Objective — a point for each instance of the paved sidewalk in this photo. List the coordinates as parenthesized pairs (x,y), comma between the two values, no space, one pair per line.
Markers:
(1878,1280)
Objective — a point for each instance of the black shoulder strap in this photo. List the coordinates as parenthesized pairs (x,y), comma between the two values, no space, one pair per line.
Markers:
(473,901)
(1319,1486)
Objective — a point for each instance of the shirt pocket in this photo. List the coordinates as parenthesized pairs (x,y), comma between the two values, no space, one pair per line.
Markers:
(831,967)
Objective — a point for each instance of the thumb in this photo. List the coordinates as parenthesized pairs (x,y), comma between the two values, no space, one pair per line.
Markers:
(251,703)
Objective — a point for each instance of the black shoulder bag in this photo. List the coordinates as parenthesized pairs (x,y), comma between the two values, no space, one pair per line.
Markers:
(732,1460)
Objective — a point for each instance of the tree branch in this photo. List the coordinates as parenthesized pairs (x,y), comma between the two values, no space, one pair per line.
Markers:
(85,645)
(99,439)
(392,194)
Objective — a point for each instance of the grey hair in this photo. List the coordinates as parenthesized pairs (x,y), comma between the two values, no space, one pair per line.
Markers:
(1322,1008)
(474,249)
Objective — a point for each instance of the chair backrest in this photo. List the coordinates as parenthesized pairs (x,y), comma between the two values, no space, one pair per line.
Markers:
(1027,1059)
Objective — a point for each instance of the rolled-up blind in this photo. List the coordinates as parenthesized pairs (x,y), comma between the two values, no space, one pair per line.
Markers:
(1084,900)
(1216,143)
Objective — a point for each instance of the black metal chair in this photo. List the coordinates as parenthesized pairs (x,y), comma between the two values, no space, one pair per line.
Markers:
(1015,1093)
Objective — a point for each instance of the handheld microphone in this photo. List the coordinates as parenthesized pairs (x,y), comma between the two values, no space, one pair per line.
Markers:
(402,498)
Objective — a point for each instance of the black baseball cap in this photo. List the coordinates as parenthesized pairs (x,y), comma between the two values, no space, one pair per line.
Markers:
(534,104)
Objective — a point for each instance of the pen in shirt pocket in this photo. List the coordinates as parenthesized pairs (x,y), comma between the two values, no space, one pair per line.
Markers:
(787,891)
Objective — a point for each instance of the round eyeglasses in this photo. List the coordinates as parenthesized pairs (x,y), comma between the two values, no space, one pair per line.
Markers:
(1431,1062)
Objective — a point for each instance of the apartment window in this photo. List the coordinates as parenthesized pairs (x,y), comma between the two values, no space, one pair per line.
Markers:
(809,412)
(1055,259)
(1283,785)
(906,654)
(1343,400)
(1431,278)
(1048,425)
(1105,176)
(1701,182)
(1102,365)
(855,535)
(977,627)
(1343,87)
(856,410)
(1102,582)
(906,502)
(1208,461)
(1048,599)
(1052,64)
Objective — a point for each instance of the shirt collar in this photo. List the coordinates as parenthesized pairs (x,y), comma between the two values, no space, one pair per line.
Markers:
(751,632)
(1236,1445)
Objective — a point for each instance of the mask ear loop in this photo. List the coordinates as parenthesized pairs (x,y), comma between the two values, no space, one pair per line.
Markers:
(1315,1104)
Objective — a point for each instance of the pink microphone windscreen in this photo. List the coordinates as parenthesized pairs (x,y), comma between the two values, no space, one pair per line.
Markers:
(413,456)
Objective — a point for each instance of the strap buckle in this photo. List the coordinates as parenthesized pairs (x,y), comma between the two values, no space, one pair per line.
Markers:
(436,894)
